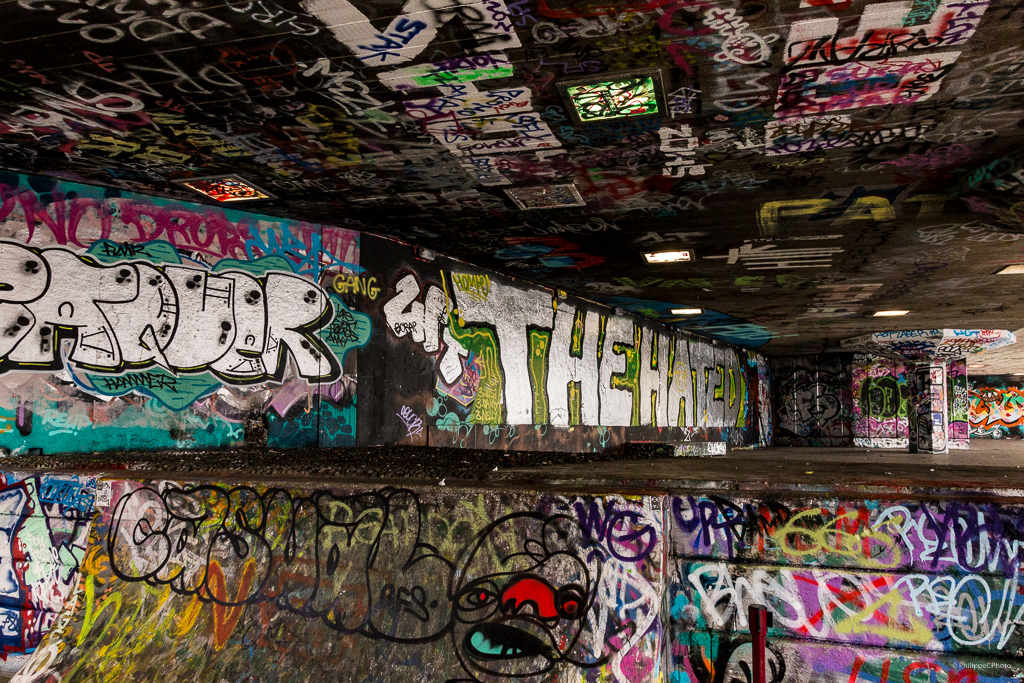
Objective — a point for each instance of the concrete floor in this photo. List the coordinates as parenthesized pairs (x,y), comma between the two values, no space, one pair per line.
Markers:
(988,465)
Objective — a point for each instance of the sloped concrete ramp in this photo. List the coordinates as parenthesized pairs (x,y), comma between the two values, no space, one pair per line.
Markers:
(249,583)
(221,581)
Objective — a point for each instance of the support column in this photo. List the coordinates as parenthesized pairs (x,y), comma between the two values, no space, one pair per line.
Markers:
(958,405)
(929,423)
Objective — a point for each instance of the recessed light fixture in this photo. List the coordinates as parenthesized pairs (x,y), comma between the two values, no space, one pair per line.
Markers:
(889,314)
(1015,269)
(545,197)
(226,188)
(979,365)
(629,94)
(668,256)
(687,311)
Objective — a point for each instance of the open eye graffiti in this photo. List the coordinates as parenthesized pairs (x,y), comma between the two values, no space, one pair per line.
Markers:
(522,600)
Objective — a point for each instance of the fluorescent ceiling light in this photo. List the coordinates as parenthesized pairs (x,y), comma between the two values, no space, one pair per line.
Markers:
(1015,269)
(889,314)
(977,365)
(668,256)
(692,311)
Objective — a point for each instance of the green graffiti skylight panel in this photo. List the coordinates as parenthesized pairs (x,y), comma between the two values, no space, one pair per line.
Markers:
(634,96)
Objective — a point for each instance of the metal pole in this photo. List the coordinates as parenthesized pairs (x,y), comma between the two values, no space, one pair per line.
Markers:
(760,620)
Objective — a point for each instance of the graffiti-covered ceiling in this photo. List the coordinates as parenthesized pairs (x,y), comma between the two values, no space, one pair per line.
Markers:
(819,160)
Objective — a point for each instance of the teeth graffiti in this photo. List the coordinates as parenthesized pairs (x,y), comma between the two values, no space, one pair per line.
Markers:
(182,319)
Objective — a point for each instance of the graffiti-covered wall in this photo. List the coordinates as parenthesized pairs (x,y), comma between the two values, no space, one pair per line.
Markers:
(205,582)
(841,400)
(44,533)
(473,358)
(996,407)
(860,590)
(210,581)
(132,322)
(813,401)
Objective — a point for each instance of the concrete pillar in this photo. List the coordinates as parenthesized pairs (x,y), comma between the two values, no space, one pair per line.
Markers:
(929,420)
(958,405)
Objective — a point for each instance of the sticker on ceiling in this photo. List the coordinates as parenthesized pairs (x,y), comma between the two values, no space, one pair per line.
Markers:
(545,197)
(226,188)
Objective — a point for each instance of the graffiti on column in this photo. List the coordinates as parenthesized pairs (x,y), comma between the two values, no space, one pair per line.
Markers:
(880,401)
(764,405)
(958,405)
(929,426)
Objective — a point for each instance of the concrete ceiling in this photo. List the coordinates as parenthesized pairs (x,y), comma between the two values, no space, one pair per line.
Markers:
(823,160)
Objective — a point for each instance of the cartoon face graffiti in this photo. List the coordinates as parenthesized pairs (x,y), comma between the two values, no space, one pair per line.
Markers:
(521,599)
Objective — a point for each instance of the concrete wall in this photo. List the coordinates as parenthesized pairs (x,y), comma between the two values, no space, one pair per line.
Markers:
(44,532)
(862,401)
(132,322)
(200,581)
(997,407)
(841,400)
(863,589)
(813,401)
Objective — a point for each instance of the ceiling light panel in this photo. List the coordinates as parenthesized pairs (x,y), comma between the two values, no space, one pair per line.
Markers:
(545,197)
(668,256)
(613,97)
(226,188)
